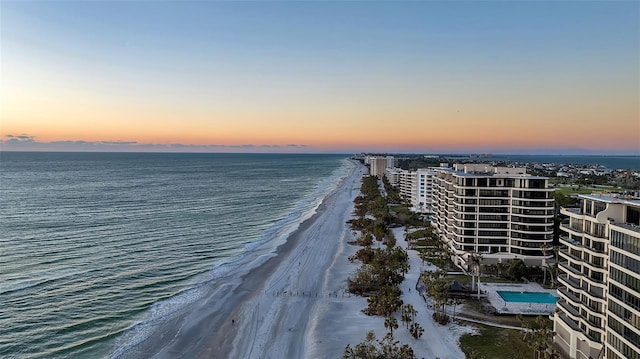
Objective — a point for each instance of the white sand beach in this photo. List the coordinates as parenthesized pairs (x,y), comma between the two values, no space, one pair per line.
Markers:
(294,304)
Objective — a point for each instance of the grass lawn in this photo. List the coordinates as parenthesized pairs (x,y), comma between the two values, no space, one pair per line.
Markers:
(426,242)
(496,343)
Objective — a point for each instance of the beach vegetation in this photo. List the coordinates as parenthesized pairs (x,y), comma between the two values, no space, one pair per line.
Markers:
(360,223)
(379,276)
(416,330)
(365,280)
(373,348)
(408,314)
(438,289)
(384,302)
(391,323)
(392,193)
(366,239)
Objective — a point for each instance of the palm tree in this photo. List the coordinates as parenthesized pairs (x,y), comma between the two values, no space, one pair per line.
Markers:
(474,262)
(408,314)
(454,303)
(544,248)
(499,268)
(405,317)
(416,330)
(391,323)
(438,290)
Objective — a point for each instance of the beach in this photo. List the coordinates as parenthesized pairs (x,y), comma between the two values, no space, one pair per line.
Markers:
(292,303)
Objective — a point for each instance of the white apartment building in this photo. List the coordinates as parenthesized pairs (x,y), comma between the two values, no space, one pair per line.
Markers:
(598,315)
(424,193)
(391,162)
(501,213)
(414,186)
(408,188)
(393,176)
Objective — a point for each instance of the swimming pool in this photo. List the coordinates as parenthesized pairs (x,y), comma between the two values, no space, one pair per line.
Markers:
(527,297)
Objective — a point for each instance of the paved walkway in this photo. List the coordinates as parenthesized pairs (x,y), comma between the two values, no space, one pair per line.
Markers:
(491,324)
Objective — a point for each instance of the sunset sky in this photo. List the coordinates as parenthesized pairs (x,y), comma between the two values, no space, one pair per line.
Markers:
(290,76)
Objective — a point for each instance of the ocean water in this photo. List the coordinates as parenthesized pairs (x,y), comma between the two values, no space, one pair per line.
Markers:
(95,245)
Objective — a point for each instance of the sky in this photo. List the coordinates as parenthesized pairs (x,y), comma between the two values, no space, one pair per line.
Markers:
(544,77)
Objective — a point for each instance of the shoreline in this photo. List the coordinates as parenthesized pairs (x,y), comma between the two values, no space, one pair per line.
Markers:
(242,316)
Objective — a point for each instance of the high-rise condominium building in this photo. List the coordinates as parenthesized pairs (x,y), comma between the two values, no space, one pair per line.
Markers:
(424,193)
(414,186)
(377,165)
(500,213)
(598,315)
(407,186)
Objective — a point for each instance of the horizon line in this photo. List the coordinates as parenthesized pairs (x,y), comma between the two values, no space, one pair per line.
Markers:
(487,155)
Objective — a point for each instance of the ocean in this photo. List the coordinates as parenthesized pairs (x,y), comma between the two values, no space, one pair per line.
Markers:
(95,247)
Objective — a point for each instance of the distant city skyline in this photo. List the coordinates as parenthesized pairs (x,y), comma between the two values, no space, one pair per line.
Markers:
(334,77)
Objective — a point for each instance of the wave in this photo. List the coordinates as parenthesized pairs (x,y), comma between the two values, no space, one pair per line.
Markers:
(37,280)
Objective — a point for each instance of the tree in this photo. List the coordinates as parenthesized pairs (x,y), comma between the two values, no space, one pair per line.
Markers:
(539,336)
(385,302)
(474,262)
(474,355)
(391,323)
(372,348)
(408,314)
(438,289)
(454,303)
(416,330)
(404,316)
(516,269)
(499,268)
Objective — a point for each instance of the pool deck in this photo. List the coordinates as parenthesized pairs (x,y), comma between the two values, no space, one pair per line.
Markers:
(524,308)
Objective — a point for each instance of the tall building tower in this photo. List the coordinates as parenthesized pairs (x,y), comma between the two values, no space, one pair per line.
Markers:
(377,166)
(500,213)
(391,162)
(408,185)
(424,192)
(598,315)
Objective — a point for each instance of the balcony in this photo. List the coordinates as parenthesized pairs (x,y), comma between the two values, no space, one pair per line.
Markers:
(595,295)
(570,323)
(568,281)
(569,269)
(572,298)
(568,308)
(570,256)
(570,242)
(596,234)
(575,230)
(596,250)
(571,210)
(530,204)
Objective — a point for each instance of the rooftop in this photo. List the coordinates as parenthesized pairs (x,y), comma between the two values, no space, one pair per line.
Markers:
(489,174)
(612,198)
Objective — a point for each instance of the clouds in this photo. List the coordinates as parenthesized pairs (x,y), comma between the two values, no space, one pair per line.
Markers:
(19,138)
(25,142)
